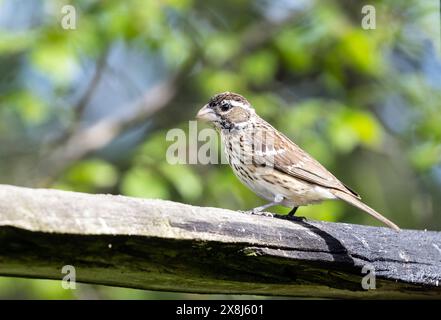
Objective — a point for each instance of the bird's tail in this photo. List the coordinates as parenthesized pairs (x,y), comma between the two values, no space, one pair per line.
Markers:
(357,203)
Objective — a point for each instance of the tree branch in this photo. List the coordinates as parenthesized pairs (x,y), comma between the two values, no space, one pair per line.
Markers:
(82,142)
(79,108)
(163,245)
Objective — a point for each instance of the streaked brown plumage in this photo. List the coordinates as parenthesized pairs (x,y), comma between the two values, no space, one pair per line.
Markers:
(269,163)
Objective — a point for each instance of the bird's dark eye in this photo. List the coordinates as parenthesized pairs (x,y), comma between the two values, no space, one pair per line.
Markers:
(225,107)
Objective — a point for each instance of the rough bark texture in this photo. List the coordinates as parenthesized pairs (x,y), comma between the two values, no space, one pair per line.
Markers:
(163,245)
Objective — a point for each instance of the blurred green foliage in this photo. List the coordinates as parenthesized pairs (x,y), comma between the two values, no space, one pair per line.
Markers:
(365,103)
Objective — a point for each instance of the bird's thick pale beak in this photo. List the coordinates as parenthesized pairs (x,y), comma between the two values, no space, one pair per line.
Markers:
(206,114)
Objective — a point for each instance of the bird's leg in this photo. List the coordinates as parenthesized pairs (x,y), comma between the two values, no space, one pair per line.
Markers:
(293,217)
(293,211)
(258,211)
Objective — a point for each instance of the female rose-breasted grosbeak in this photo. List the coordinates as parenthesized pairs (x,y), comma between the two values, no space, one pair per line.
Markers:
(270,164)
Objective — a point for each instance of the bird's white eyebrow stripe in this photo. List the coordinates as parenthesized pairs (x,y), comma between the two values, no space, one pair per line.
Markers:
(236,103)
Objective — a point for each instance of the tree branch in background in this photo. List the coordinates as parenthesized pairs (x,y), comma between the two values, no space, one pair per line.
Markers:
(80,107)
(88,94)
(84,141)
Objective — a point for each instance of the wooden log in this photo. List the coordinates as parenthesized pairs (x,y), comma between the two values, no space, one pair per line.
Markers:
(164,245)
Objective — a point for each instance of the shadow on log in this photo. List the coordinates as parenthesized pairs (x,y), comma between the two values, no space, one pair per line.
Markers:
(163,245)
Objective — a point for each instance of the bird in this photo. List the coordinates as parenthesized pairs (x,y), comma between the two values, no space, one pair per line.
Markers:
(270,164)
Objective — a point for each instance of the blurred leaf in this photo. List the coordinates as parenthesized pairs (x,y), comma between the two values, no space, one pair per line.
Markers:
(89,175)
(213,82)
(348,128)
(220,47)
(305,122)
(152,150)
(293,53)
(357,49)
(135,19)
(326,211)
(430,127)
(305,115)
(55,58)
(330,20)
(34,289)
(318,147)
(184,180)
(144,183)
(179,4)
(176,49)
(260,67)
(267,105)
(16,42)
(31,108)
(426,155)
(222,184)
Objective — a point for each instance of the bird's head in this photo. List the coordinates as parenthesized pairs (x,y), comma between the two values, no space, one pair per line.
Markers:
(227,111)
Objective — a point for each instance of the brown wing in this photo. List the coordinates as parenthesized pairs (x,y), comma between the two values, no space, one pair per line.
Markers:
(290,159)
